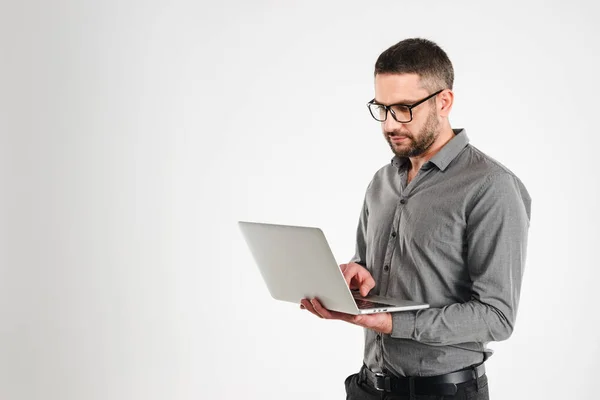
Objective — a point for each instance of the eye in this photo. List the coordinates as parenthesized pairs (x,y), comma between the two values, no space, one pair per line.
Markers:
(403,111)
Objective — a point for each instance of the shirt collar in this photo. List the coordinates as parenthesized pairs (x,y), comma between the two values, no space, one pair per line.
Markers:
(444,157)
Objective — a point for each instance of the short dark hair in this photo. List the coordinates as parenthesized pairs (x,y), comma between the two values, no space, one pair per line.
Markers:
(418,56)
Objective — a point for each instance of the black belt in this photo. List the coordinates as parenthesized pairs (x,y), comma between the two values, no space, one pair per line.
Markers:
(440,384)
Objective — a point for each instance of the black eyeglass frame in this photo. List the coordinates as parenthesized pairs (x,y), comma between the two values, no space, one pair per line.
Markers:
(409,106)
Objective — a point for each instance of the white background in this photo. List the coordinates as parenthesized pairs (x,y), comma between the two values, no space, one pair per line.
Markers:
(134,134)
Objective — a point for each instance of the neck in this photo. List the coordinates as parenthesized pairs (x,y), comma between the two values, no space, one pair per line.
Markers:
(445,135)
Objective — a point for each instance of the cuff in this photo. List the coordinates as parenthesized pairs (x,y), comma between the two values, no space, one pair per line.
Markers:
(403,324)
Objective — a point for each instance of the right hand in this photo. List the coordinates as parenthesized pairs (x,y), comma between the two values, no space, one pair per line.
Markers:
(358,277)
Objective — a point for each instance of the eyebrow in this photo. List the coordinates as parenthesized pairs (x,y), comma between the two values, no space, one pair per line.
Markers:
(402,103)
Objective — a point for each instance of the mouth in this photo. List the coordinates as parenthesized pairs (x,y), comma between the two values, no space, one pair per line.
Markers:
(398,139)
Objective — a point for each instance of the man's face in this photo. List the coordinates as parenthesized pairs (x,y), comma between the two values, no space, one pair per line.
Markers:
(413,138)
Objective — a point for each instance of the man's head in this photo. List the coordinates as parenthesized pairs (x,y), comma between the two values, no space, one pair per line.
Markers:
(405,74)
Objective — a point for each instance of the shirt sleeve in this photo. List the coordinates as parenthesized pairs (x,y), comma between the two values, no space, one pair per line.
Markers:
(496,236)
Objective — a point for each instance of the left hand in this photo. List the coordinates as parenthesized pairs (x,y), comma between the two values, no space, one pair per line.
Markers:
(380,322)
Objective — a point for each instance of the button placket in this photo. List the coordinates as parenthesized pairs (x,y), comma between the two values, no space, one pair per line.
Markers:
(393,238)
(392,243)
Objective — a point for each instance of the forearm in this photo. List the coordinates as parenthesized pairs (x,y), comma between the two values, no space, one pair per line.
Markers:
(472,321)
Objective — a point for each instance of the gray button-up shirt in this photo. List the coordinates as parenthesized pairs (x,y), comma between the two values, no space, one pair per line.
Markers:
(454,237)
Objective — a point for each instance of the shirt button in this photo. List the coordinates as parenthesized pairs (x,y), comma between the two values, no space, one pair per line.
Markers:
(393,234)
(379,338)
(402,201)
(386,268)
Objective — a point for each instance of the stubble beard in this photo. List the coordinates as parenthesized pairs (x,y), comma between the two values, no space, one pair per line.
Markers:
(426,138)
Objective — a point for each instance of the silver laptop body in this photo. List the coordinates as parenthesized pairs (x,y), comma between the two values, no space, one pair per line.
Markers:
(296,263)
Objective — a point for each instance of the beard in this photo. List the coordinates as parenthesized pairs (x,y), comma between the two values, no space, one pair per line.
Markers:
(423,141)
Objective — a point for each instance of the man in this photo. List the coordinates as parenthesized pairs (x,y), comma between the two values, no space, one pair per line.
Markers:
(442,223)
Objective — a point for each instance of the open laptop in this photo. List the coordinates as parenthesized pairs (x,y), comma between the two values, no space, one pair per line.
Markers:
(296,263)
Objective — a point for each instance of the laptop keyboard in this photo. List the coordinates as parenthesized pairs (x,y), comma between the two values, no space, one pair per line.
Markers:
(366,304)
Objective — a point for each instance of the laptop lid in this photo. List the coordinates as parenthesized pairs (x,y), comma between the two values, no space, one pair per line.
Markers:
(296,262)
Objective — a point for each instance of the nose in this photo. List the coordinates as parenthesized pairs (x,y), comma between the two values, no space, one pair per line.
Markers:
(390,124)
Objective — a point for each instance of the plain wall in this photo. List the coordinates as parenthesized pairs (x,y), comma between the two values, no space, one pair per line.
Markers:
(134,134)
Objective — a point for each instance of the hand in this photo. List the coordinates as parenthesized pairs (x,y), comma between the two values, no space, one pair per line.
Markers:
(358,277)
(380,322)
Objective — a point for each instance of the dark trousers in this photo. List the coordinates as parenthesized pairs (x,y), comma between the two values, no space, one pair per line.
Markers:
(356,390)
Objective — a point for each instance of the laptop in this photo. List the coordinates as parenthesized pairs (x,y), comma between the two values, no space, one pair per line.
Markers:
(296,262)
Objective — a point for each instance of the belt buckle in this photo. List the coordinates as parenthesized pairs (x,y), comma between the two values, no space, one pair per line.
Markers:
(382,382)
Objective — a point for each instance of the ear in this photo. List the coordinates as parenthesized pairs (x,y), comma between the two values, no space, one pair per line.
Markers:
(444,102)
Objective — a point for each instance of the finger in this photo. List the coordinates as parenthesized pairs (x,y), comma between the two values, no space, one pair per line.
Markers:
(349,274)
(357,276)
(306,303)
(367,285)
(343,267)
(323,312)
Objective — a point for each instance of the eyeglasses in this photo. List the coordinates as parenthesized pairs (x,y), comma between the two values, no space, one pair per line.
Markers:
(400,112)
